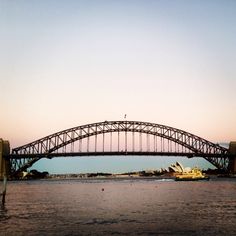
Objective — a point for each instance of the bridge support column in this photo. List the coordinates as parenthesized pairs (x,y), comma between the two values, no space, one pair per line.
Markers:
(232,162)
(4,164)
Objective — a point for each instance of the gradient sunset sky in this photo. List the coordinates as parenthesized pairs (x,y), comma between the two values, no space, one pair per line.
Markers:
(69,63)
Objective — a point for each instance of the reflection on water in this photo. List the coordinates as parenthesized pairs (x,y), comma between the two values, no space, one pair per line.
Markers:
(125,207)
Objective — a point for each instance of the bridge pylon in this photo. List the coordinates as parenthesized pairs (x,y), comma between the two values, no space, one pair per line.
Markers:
(4,163)
(232,161)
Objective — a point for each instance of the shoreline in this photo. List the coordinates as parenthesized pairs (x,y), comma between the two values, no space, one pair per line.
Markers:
(150,174)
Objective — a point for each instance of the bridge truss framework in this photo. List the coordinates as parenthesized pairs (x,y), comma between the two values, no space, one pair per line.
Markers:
(159,140)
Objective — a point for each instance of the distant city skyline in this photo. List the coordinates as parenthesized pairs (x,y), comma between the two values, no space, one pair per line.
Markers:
(115,164)
(70,63)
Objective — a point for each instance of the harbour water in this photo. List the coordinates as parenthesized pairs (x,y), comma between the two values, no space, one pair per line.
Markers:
(119,207)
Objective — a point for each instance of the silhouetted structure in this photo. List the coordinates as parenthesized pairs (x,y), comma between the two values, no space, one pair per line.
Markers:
(122,138)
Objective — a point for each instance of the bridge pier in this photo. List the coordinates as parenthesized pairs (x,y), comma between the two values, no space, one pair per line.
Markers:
(232,162)
(4,164)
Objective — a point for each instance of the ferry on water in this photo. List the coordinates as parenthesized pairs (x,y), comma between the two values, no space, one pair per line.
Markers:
(193,174)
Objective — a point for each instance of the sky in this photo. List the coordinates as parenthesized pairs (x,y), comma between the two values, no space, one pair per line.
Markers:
(69,63)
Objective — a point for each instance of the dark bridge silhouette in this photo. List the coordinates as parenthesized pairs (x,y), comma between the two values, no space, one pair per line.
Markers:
(119,138)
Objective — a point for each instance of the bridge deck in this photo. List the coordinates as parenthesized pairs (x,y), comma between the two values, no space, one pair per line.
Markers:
(115,153)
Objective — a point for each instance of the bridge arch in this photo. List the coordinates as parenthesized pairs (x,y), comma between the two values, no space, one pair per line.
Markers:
(24,156)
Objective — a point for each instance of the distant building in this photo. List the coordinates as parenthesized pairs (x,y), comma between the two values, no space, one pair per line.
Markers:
(177,168)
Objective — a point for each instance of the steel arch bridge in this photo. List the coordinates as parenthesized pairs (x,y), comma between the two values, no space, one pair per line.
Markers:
(119,138)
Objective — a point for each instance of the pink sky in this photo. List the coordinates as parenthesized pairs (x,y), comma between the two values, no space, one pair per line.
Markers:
(68,64)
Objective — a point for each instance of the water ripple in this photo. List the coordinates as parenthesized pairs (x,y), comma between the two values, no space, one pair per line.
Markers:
(123,208)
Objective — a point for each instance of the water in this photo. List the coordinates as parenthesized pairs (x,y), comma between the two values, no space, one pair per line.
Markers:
(119,207)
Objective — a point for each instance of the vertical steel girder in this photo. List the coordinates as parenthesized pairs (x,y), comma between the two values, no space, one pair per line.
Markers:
(51,143)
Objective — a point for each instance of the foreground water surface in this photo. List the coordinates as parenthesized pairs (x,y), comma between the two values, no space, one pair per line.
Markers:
(119,207)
